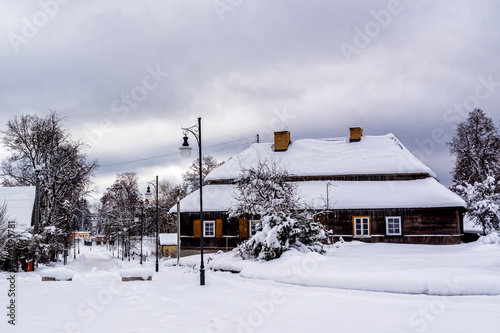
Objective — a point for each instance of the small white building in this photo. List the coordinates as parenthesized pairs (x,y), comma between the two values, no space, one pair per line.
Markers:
(168,244)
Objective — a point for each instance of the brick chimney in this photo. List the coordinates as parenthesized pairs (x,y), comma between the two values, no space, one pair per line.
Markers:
(356,134)
(281,141)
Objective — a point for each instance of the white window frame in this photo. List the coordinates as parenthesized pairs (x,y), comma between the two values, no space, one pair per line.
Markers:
(207,223)
(361,218)
(252,223)
(400,227)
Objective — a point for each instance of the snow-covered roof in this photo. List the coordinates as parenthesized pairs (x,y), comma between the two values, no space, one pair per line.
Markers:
(216,198)
(383,154)
(421,193)
(20,202)
(168,239)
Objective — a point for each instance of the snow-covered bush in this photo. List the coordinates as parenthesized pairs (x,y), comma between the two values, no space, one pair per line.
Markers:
(493,238)
(483,203)
(264,192)
(50,240)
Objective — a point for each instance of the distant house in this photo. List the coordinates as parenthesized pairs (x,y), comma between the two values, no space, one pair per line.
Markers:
(80,234)
(367,188)
(99,240)
(20,202)
(168,244)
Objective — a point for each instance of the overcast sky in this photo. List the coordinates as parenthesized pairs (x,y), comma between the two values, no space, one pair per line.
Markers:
(129,74)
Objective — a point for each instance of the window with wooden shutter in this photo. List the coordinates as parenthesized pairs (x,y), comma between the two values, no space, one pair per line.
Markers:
(218,228)
(243,228)
(196,229)
(209,228)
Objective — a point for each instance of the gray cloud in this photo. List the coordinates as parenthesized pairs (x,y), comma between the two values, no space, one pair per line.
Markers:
(249,68)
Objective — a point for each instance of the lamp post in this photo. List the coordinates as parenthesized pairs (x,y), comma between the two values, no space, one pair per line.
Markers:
(128,236)
(149,196)
(327,196)
(74,239)
(328,203)
(178,226)
(185,152)
(38,169)
(123,243)
(140,219)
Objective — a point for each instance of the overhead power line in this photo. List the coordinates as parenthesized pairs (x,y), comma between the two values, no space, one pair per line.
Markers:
(213,146)
(168,155)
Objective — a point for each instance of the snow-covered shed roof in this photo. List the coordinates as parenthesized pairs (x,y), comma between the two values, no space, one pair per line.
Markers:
(383,154)
(420,193)
(20,202)
(168,239)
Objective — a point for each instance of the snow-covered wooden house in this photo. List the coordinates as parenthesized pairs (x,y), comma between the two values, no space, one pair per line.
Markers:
(368,188)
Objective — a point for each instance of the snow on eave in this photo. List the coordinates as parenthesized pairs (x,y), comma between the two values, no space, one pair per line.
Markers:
(216,198)
(167,239)
(402,194)
(411,194)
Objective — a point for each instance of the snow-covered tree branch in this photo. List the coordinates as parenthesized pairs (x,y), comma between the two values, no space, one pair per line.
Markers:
(483,202)
(264,192)
(476,146)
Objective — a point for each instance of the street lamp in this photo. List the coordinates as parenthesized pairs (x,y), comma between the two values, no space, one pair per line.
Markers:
(74,238)
(120,235)
(38,169)
(124,246)
(128,236)
(328,202)
(185,152)
(140,219)
(327,196)
(178,226)
(149,196)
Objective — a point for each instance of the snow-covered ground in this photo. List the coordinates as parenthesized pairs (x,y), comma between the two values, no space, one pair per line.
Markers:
(355,287)
(466,269)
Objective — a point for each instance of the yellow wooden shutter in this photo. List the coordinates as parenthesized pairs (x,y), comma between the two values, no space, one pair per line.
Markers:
(196,228)
(243,228)
(218,228)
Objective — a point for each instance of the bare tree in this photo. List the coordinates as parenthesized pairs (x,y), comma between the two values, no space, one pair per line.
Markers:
(120,204)
(42,143)
(476,146)
(191,179)
(168,194)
